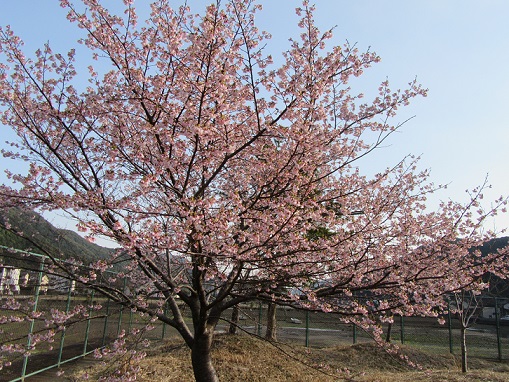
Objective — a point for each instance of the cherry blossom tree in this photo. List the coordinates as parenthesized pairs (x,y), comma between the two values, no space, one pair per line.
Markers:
(466,304)
(468,301)
(224,177)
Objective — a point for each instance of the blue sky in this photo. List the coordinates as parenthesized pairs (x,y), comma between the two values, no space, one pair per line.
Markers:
(459,49)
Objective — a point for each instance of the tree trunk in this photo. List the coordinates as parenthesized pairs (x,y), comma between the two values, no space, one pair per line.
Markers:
(270,334)
(389,332)
(203,368)
(464,365)
(234,322)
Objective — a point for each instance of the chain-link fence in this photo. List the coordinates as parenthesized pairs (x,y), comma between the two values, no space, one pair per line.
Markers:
(487,335)
(28,283)
(35,302)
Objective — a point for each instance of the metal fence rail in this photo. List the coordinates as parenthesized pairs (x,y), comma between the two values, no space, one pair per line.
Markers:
(73,342)
(307,329)
(486,337)
(106,319)
(28,281)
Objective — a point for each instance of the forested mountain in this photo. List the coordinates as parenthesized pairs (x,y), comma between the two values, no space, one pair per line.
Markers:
(498,287)
(494,244)
(44,237)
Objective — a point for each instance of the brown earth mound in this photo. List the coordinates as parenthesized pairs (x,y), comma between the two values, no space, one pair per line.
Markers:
(244,358)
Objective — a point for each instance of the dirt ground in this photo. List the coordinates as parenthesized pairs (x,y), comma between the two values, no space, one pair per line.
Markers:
(325,332)
(246,358)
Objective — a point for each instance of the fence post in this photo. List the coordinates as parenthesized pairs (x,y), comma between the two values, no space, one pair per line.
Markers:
(497,318)
(163,334)
(62,335)
(119,326)
(32,322)
(260,319)
(307,328)
(402,328)
(354,333)
(87,330)
(106,321)
(449,323)
(130,319)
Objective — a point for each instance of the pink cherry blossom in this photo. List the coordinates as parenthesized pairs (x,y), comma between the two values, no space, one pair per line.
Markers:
(225,178)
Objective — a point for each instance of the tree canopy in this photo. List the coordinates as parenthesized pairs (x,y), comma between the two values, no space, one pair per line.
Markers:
(226,178)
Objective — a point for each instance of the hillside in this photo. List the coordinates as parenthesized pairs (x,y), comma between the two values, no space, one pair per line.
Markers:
(498,287)
(44,236)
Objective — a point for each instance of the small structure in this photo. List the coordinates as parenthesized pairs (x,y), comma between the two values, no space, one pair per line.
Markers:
(44,284)
(9,280)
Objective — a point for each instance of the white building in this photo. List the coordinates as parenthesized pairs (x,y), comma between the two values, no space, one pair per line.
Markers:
(9,280)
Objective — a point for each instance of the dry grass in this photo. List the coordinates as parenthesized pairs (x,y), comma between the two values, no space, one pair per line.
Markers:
(243,358)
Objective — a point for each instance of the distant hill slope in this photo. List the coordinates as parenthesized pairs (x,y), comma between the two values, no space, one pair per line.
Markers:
(61,243)
(498,287)
(494,244)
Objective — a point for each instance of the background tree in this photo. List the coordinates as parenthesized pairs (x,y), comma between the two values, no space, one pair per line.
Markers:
(208,165)
(468,302)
